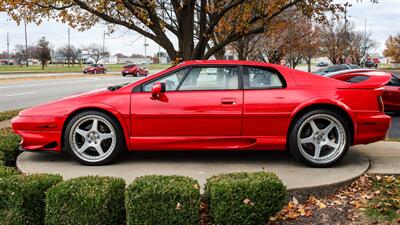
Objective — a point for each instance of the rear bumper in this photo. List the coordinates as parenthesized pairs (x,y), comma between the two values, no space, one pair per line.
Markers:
(39,133)
(371,127)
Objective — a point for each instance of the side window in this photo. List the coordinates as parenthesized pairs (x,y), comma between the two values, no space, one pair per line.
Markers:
(395,81)
(211,78)
(171,81)
(262,78)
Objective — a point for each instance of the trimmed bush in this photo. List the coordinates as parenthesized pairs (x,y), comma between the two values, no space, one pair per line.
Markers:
(244,198)
(9,143)
(86,201)
(160,200)
(22,198)
(6,171)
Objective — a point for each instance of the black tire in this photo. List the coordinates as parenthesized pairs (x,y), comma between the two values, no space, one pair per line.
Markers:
(293,142)
(123,74)
(119,143)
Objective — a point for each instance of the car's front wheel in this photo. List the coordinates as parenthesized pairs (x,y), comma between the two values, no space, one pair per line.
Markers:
(319,138)
(93,138)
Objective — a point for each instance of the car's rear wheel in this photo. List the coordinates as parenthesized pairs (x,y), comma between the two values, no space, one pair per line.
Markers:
(319,138)
(93,138)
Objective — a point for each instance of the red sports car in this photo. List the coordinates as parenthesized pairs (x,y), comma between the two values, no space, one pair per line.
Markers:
(94,69)
(135,70)
(391,93)
(212,105)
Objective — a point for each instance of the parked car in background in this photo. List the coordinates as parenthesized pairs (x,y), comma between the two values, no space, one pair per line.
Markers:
(135,70)
(335,68)
(95,68)
(322,64)
(371,64)
(391,93)
(212,105)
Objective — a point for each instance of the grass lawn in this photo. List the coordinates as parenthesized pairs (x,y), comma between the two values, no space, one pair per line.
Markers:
(385,206)
(60,68)
(9,114)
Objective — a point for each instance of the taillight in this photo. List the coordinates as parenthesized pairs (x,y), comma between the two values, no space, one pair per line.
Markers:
(380,104)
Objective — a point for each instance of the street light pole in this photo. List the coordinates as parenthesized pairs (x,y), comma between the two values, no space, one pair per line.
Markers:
(8,49)
(69,47)
(26,46)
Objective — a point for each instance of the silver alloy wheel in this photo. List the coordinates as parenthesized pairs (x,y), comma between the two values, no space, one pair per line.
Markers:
(92,138)
(321,138)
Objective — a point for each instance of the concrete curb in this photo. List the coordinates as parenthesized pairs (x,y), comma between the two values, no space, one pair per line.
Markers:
(299,179)
(5,123)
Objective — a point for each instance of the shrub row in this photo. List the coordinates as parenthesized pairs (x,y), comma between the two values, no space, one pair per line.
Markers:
(22,198)
(9,143)
(238,198)
(163,200)
(244,198)
(85,201)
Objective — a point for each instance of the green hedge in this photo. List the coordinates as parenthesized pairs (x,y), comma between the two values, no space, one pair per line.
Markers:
(22,198)
(244,198)
(6,171)
(9,143)
(85,201)
(160,200)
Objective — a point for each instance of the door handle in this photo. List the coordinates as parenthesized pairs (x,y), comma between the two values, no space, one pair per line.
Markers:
(228,101)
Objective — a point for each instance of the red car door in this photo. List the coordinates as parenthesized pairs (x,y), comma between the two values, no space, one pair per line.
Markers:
(267,107)
(391,95)
(199,103)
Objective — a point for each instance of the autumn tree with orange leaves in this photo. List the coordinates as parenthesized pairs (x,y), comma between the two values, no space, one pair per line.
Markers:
(393,48)
(194,23)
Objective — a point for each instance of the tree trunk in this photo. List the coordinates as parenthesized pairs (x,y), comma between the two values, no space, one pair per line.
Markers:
(220,55)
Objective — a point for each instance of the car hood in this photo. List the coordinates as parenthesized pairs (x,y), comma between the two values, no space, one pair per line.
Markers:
(60,107)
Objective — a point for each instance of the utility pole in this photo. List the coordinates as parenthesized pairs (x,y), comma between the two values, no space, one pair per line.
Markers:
(346,36)
(8,49)
(69,47)
(104,41)
(145,49)
(26,47)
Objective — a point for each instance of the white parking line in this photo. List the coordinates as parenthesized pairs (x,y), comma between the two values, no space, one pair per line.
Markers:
(22,93)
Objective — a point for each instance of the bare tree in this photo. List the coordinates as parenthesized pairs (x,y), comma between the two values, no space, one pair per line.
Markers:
(70,53)
(339,43)
(42,51)
(21,56)
(96,52)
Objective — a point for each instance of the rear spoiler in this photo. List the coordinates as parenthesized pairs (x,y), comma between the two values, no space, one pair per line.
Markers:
(364,79)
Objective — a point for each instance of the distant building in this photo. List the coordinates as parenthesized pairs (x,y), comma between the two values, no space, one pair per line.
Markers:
(126,60)
(163,58)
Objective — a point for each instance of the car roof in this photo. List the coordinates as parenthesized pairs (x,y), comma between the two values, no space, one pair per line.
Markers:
(227,62)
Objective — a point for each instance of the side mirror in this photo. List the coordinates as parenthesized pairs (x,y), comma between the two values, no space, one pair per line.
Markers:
(157,89)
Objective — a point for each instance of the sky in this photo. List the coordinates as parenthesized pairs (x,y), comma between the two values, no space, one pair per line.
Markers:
(383,19)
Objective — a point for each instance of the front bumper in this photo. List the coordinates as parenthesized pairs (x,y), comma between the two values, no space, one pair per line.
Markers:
(371,127)
(39,133)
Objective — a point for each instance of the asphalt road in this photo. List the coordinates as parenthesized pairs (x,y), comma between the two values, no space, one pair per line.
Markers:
(21,94)
(15,95)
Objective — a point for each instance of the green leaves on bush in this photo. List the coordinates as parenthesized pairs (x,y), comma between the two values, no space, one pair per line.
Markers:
(244,198)
(22,198)
(6,171)
(9,143)
(7,115)
(86,201)
(160,200)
